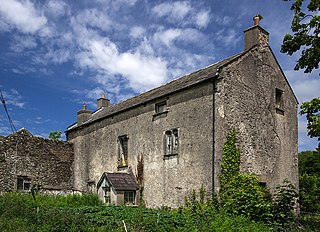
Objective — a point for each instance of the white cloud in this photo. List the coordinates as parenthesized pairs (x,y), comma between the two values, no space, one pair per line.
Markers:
(174,11)
(20,43)
(228,37)
(117,4)
(142,72)
(222,20)
(202,18)
(93,18)
(13,98)
(182,12)
(305,86)
(137,32)
(57,8)
(168,36)
(23,15)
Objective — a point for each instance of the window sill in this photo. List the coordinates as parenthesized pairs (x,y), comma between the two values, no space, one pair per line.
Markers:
(170,156)
(279,111)
(159,115)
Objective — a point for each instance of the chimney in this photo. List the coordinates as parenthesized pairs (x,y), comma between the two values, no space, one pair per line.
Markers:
(83,114)
(103,102)
(255,35)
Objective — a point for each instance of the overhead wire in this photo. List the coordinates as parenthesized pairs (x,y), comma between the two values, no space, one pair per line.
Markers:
(13,128)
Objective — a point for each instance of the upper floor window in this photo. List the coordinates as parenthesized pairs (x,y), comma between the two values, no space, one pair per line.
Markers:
(161,107)
(23,183)
(123,150)
(171,142)
(279,100)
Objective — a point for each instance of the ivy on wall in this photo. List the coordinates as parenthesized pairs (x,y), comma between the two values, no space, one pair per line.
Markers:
(230,165)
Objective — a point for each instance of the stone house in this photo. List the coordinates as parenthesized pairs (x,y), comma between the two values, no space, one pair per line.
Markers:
(27,160)
(171,137)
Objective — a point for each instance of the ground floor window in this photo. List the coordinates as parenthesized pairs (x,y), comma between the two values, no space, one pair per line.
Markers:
(107,196)
(129,197)
(23,183)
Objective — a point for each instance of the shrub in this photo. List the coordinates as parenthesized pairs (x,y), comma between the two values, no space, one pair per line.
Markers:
(244,196)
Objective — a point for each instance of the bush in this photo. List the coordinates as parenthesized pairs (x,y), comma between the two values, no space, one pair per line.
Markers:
(244,196)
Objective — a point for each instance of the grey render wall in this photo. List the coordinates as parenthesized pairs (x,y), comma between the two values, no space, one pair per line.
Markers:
(166,181)
(45,161)
(245,100)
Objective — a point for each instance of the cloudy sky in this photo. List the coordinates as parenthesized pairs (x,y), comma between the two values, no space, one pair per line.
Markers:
(57,54)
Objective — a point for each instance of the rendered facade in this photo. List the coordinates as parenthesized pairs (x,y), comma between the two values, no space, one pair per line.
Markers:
(171,138)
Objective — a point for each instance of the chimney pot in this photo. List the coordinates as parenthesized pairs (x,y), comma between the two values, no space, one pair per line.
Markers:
(103,102)
(255,35)
(83,114)
(256,20)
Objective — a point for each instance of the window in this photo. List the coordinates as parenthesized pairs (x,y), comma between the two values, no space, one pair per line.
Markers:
(161,107)
(171,142)
(123,151)
(23,183)
(129,198)
(279,99)
(107,197)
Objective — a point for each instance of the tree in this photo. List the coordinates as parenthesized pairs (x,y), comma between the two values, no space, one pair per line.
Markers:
(306,37)
(55,135)
(312,111)
(309,181)
(306,34)
(309,162)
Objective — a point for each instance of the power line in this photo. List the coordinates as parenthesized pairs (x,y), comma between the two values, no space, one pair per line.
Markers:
(13,128)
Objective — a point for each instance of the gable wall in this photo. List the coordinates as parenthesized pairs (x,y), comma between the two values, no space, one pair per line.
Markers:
(245,100)
(166,181)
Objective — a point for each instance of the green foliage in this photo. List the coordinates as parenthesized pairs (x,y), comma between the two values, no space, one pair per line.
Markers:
(309,181)
(284,201)
(18,212)
(241,194)
(309,162)
(55,135)
(312,111)
(244,196)
(230,165)
(310,193)
(306,29)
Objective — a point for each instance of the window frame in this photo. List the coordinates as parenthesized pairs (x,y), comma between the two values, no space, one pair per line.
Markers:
(161,107)
(123,150)
(23,183)
(129,197)
(171,142)
(279,101)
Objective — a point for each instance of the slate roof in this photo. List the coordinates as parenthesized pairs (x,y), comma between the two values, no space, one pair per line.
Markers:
(178,84)
(120,181)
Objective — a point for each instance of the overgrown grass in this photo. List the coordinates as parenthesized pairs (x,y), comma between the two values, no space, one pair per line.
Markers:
(20,212)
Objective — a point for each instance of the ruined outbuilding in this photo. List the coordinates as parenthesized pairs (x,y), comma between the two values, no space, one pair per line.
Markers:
(179,129)
(28,161)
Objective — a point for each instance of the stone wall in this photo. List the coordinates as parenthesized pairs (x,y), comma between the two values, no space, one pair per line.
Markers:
(166,179)
(267,134)
(46,162)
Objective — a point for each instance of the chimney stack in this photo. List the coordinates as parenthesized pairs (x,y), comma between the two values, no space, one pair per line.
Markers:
(103,102)
(83,114)
(255,35)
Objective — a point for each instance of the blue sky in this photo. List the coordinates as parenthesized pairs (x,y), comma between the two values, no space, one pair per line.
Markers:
(57,54)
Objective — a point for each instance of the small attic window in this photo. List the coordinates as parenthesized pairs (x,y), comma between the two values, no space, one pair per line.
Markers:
(279,100)
(161,107)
